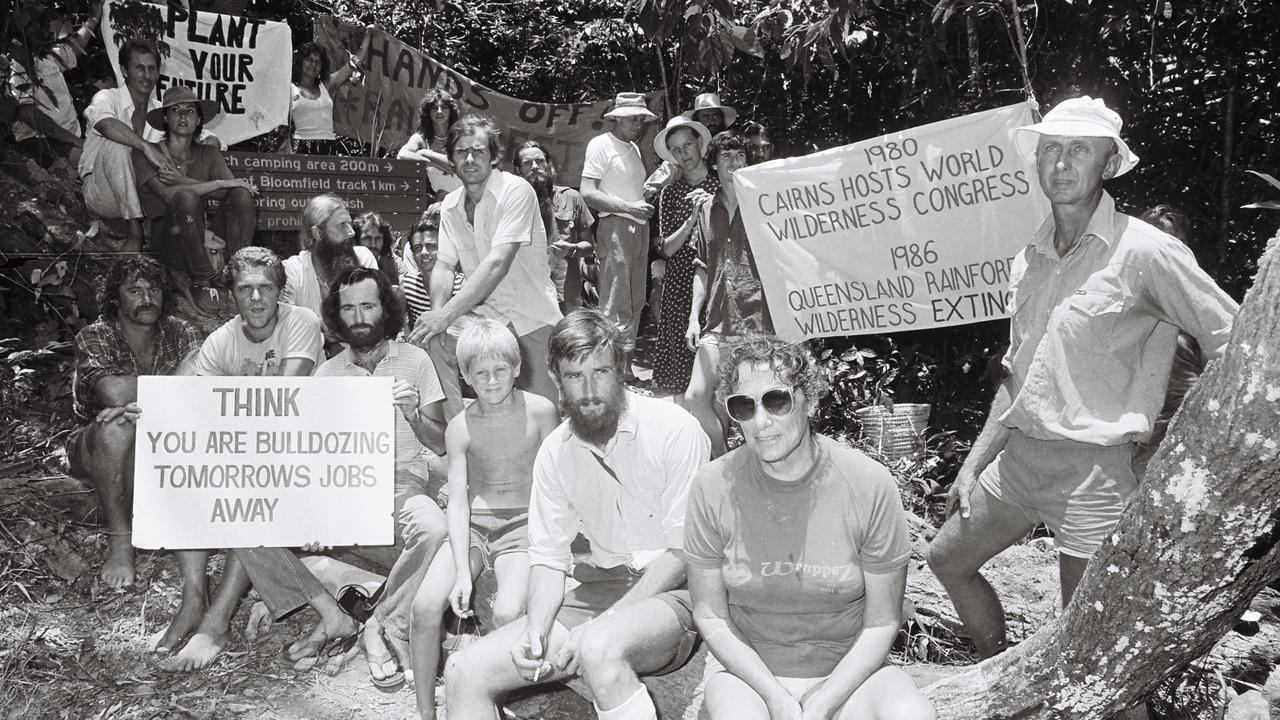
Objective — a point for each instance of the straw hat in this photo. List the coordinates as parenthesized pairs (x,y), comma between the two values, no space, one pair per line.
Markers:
(1076,117)
(179,95)
(679,121)
(711,101)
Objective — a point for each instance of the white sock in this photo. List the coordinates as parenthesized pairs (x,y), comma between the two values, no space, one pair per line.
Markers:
(637,707)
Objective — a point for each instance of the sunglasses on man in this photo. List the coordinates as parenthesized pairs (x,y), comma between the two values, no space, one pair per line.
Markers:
(778,402)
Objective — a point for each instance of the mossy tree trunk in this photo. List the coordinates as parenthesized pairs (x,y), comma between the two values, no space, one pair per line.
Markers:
(1198,539)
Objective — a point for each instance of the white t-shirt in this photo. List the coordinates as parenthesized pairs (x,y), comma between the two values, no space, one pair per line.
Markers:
(227,351)
(619,168)
(507,213)
(302,286)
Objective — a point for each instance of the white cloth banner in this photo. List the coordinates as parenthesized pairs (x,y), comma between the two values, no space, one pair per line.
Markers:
(224,462)
(908,231)
(243,64)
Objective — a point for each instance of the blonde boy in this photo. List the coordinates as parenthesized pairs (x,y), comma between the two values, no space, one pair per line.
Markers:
(491,447)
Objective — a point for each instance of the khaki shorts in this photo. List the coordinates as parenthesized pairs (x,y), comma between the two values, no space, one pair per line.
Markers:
(1078,490)
(600,588)
(498,532)
(78,455)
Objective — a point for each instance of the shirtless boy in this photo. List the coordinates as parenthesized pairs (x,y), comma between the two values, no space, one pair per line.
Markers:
(491,446)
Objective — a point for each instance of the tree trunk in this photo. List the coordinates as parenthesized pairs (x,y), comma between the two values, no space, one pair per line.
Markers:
(1198,539)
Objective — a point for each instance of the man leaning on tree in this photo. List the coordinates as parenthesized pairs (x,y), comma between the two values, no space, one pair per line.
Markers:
(1097,300)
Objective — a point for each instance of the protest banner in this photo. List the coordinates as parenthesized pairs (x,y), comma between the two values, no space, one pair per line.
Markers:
(224,462)
(241,63)
(395,189)
(384,109)
(909,231)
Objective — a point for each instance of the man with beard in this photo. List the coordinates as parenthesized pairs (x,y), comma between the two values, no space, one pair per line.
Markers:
(618,470)
(328,239)
(133,336)
(489,227)
(567,220)
(367,314)
(613,177)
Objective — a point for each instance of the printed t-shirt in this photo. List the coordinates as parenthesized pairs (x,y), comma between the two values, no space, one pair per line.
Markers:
(618,166)
(403,362)
(205,163)
(792,555)
(227,351)
(507,213)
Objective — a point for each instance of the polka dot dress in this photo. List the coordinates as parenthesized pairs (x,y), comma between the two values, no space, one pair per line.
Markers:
(672,361)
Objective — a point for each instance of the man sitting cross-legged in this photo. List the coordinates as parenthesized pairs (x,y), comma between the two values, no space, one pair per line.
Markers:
(492,445)
(366,312)
(175,201)
(269,338)
(133,336)
(619,469)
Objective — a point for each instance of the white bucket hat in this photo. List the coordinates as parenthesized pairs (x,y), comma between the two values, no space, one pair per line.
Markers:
(1076,117)
(711,101)
(679,121)
(627,104)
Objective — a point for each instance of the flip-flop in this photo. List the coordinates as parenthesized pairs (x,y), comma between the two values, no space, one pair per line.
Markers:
(336,646)
(390,683)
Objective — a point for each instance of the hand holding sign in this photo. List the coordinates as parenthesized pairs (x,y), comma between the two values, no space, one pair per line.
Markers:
(406,398)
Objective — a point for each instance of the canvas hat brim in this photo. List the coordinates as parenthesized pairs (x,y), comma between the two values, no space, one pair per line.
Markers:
(208,110)
(1027,138)
(660,142)
(629,112)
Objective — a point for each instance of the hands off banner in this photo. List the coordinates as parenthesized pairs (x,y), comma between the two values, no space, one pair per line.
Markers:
(909,231)
(384,110)
(224,462)
(243,64)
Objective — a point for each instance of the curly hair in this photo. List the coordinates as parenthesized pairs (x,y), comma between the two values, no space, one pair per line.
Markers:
(253,256)
(469,125)
(304,51)
(394,308)
(722,142)
(429,220)
(125,271)
(794,365)
(434,97)
(583,332)
(370,224)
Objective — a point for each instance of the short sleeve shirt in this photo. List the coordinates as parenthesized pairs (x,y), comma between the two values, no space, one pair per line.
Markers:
(227,351)
(618,166)
(506,214)
(793,555)
(205,163)
(403,362)
(735,295)
(102,351)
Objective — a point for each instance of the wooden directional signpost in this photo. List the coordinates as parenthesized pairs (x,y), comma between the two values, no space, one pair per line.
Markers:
(395,189)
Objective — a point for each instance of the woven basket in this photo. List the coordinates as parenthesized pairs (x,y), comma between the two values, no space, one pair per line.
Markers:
(895,433)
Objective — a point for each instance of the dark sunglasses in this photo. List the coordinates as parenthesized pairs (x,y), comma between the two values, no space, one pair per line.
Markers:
(776,401)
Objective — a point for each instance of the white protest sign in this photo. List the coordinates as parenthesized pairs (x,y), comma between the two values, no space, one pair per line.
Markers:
(908,231)
(223,462)
(243,64)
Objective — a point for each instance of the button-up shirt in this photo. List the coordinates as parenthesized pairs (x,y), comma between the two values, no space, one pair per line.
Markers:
(507,213)
(1093,333)
(629,499)
(102,351)
(112,103)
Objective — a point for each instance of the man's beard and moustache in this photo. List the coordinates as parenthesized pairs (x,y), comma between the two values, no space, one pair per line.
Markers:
(365,336)
(597,424)
(335,256)
(543,183)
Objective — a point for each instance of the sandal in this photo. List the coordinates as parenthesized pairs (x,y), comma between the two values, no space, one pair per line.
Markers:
(323,646)
(390,683)
(208,299)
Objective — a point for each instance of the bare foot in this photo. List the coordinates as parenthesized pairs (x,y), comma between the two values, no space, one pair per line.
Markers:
(259,621)
(382,664)
(117,569)
(341,626)
(184,622)
(199,653)
(400,647)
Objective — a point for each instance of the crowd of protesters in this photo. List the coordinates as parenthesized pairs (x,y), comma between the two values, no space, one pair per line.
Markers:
(512,389)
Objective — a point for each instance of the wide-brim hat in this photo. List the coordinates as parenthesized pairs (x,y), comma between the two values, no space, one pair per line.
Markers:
(628,104)
(711,101)
(679,121)
(1076,117)
(180,95)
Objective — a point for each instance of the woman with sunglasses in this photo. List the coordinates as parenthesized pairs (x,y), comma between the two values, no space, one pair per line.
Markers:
(797,551)
(436,113)
(726,284)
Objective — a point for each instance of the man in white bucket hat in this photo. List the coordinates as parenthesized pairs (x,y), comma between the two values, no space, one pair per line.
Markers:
(613,176)
(1097,300)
